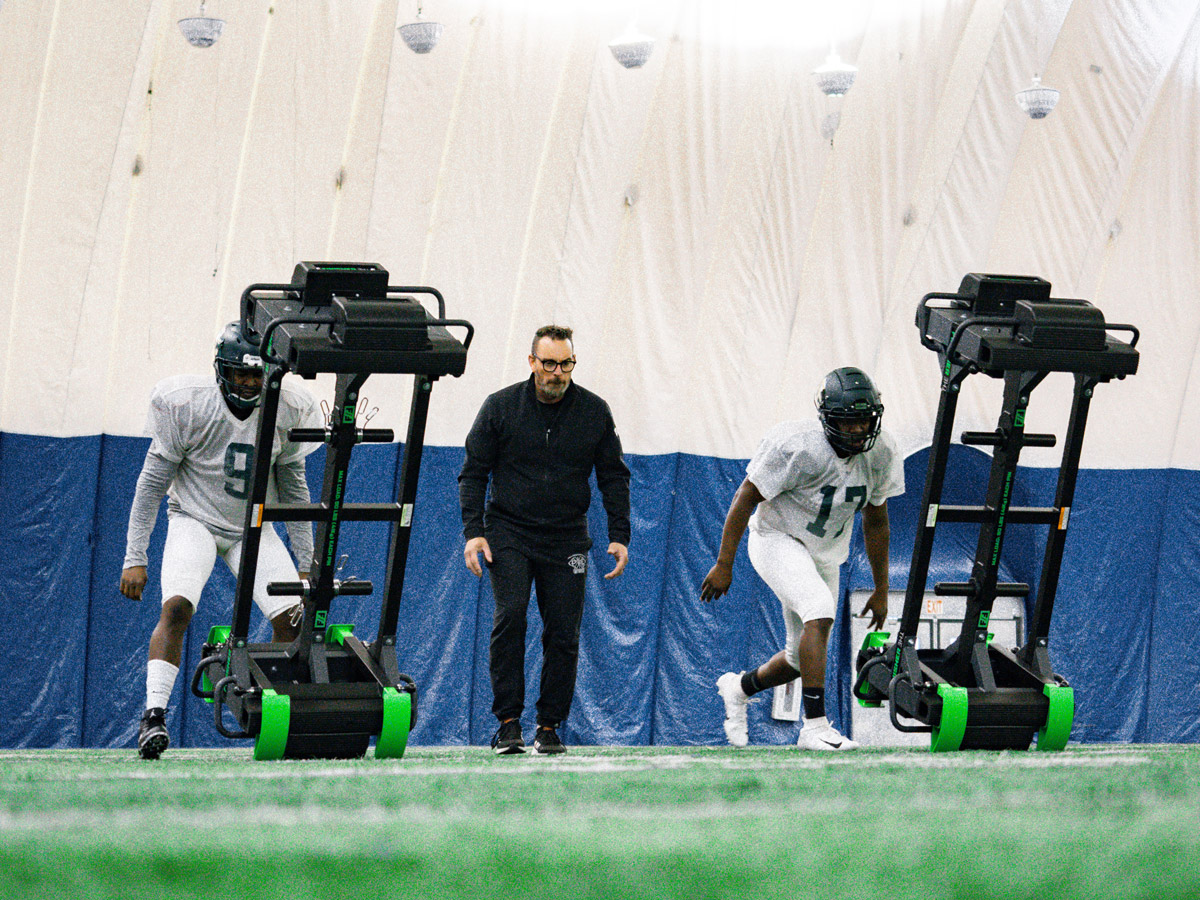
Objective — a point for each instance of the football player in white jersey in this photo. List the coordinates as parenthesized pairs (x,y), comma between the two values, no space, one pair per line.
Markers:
(801,491)
(201,456)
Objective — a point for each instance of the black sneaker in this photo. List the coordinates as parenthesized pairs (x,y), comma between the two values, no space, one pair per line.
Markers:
(546,741)
(153,738)
(507,739)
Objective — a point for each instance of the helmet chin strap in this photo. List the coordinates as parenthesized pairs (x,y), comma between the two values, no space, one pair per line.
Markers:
(239,406)
(243,402)
(237,352)
(231,393)
(847,443)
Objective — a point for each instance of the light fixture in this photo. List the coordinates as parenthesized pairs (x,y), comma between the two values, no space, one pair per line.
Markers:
(421,36)
(201,31)
(632,49)
(1037,101)
(834,77)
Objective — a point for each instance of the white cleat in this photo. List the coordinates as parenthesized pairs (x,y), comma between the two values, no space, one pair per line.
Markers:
(820,735)
(729,686)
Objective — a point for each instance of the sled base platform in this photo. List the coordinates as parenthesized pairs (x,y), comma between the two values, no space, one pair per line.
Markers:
(291,718)
(1011,713)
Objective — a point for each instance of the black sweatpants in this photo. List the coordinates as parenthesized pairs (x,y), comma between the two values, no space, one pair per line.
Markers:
(560,590)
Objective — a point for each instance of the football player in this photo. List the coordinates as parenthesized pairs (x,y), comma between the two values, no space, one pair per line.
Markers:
(801,492)
(201,456)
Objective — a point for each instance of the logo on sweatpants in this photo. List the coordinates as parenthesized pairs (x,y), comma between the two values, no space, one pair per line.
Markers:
(578,563)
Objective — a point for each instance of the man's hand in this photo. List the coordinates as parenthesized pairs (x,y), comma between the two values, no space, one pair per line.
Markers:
(620,553)
(471,552)
(716,582)
(877,606)
(133,580)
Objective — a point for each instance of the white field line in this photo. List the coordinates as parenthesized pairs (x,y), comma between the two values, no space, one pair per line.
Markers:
(338,817)
(335,817)
(782,759)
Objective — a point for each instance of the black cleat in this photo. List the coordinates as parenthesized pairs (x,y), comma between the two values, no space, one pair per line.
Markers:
(153,738)
(507,739)
(546,741)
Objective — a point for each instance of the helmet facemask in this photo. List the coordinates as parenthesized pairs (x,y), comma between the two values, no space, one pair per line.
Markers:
(850,397)
(235,355)
(847,442)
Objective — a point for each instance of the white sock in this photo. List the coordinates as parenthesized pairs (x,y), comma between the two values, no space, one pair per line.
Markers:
(160,679)
(816,723)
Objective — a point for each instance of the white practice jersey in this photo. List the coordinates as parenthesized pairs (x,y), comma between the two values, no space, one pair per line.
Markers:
(190,425)
(812,494)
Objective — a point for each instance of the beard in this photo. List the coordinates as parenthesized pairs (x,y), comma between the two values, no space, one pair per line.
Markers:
(551,390)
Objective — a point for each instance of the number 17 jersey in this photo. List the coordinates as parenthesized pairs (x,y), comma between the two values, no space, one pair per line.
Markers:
(812,494)
(191,425)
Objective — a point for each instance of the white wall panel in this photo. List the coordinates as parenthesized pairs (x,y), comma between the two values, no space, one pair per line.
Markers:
(144,183)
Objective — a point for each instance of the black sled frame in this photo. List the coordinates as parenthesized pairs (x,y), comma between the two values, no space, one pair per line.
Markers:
(329,692)
(975,694)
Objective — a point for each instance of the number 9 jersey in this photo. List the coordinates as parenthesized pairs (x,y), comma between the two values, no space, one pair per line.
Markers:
(812,494)
(191,426)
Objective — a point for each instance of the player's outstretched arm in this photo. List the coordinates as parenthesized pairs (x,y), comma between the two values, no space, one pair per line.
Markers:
(876,537)
(720,576)
(292,485)
(157,474)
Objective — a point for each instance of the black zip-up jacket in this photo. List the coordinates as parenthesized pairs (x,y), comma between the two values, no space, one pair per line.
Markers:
(539,457)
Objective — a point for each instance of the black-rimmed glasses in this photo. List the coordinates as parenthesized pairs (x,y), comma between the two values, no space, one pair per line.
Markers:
(549,365)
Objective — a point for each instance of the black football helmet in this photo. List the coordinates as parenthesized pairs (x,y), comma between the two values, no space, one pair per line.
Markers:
(849,395)
(237,351)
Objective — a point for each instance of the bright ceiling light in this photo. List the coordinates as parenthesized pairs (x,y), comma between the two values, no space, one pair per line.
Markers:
(834,77)
(1037,101)
(201,31)
(421,36)
(632,49)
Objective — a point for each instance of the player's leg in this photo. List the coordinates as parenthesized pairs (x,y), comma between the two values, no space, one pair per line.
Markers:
(187,562)
(807,593)
(811,650)
(511,574)
(560,592)
(818,733)
(274,564)
(166,641)
(736,688)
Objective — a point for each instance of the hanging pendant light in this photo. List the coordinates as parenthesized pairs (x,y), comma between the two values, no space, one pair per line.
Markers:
(1037,101)
(421,36)
(201,31)
(632,49)
(834,77)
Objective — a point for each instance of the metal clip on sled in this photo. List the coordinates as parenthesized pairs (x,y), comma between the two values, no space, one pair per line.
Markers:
(329,692)
(974,694)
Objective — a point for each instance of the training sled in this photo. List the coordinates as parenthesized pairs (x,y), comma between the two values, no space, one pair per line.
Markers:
(329,692)
(975,694)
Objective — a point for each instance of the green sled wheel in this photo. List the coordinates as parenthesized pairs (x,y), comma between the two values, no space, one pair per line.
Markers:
(276,720)
(397,718)
(948,733)
(1058,718)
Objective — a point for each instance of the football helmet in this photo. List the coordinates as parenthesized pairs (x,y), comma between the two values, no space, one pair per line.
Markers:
(849,395)
(237,351)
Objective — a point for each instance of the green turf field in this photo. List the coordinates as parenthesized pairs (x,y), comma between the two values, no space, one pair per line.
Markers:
(1090,822)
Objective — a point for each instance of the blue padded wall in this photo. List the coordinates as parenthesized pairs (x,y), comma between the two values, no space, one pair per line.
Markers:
(47,520)
(651,649)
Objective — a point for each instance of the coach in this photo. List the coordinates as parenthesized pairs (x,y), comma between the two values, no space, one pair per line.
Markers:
(538,441)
